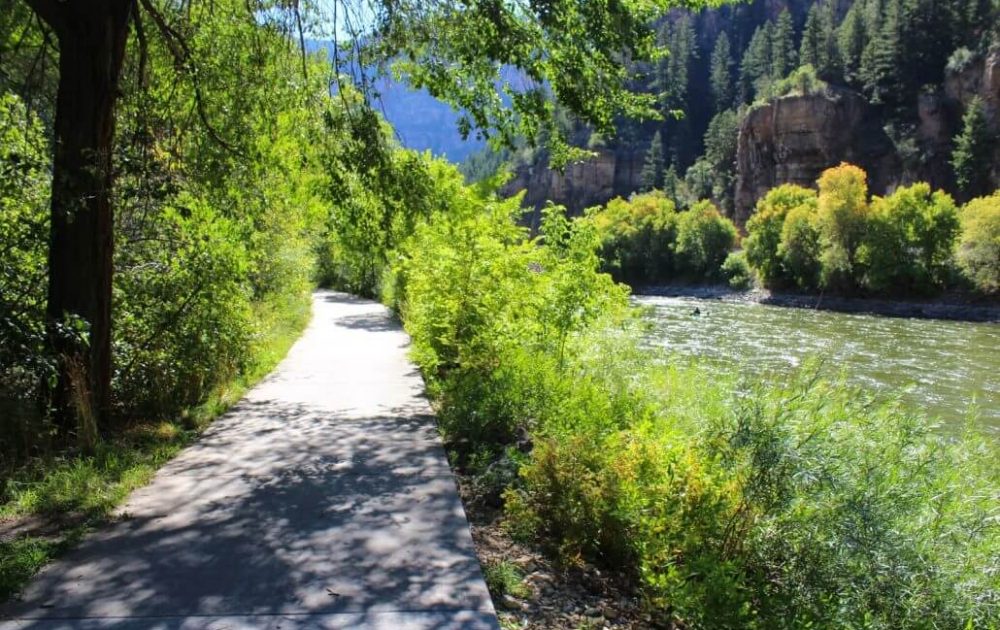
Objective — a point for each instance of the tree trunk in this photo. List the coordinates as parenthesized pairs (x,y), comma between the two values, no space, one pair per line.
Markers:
(92,36)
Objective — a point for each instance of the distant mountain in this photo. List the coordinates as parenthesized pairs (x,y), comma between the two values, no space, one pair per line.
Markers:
(421,121)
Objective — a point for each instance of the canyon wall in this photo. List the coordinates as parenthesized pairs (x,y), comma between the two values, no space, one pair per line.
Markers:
(794,138)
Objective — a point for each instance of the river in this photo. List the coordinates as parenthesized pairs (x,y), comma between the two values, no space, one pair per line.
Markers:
(942,367)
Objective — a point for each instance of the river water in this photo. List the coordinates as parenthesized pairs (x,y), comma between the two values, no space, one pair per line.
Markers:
(942,367)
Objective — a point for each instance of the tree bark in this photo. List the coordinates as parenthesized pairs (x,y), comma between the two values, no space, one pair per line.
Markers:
(92,37)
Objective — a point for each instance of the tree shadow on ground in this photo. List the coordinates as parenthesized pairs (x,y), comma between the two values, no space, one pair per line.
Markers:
(280,509)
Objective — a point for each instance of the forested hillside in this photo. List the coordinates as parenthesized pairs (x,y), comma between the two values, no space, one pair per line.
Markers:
(757,94)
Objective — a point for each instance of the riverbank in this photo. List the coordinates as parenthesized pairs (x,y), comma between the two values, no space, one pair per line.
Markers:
(949,307)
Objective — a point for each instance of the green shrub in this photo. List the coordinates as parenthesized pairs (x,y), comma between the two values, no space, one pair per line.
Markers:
(803,81)
(24,220)
(800,248)
(704,239)
(185,321)
(737,271)
(979,247)
(960,59)
(764,231)
(855,514)
(503,577)
(908,242)
(637,238)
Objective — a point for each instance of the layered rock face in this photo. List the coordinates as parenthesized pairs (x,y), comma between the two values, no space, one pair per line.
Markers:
(793,139)
(581,185)
(982,79)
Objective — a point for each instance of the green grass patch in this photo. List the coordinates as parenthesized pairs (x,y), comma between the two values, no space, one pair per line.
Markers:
(503,577)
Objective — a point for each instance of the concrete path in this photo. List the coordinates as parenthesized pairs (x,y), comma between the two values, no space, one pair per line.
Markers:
(322,500)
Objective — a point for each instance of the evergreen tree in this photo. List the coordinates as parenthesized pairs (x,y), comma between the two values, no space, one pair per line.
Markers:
(834,68)
(671,183)
(819,42)
(811,49)
(756,64)
(652,170)
(674,70)
(720,151)
(972,15)
(880,61)
(926,41)
(783,47)
(852,38)
(973,146)
(676,84)
(721,73)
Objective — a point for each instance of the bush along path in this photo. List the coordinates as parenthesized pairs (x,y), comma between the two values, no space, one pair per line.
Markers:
(323,499)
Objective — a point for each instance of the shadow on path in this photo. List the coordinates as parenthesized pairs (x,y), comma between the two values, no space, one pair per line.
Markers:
(288,512)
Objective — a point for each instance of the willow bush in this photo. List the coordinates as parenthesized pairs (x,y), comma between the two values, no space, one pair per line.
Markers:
(978,250)
(914,241)
(646,240)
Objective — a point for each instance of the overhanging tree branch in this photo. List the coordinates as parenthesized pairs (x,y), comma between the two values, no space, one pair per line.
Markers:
(183,59)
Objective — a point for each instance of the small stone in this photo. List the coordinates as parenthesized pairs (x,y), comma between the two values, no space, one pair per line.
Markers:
(527,563)
(592,611)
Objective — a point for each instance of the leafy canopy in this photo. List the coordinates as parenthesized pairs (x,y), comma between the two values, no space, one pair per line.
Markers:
(503,63)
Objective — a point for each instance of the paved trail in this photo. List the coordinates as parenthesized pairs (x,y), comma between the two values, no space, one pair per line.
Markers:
(322,500)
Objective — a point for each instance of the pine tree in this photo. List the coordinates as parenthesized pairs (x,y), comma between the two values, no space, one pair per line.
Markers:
(676,82)
(756,64)
(721,73)
(819,42)
(673,71)
(880,62)
(974,14)
(971,158)
(783,47)
(811,50)
(671,183)
(652,170)
(852,39)
(833,70)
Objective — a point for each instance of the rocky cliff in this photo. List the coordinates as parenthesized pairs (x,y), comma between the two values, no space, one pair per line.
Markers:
(793,139)
(581,185)
(980,78)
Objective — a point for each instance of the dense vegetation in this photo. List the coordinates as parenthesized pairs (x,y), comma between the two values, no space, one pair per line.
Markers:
(731,503)
(237,180)
(172,173)
(645,240)
(726,61)
(912,242)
